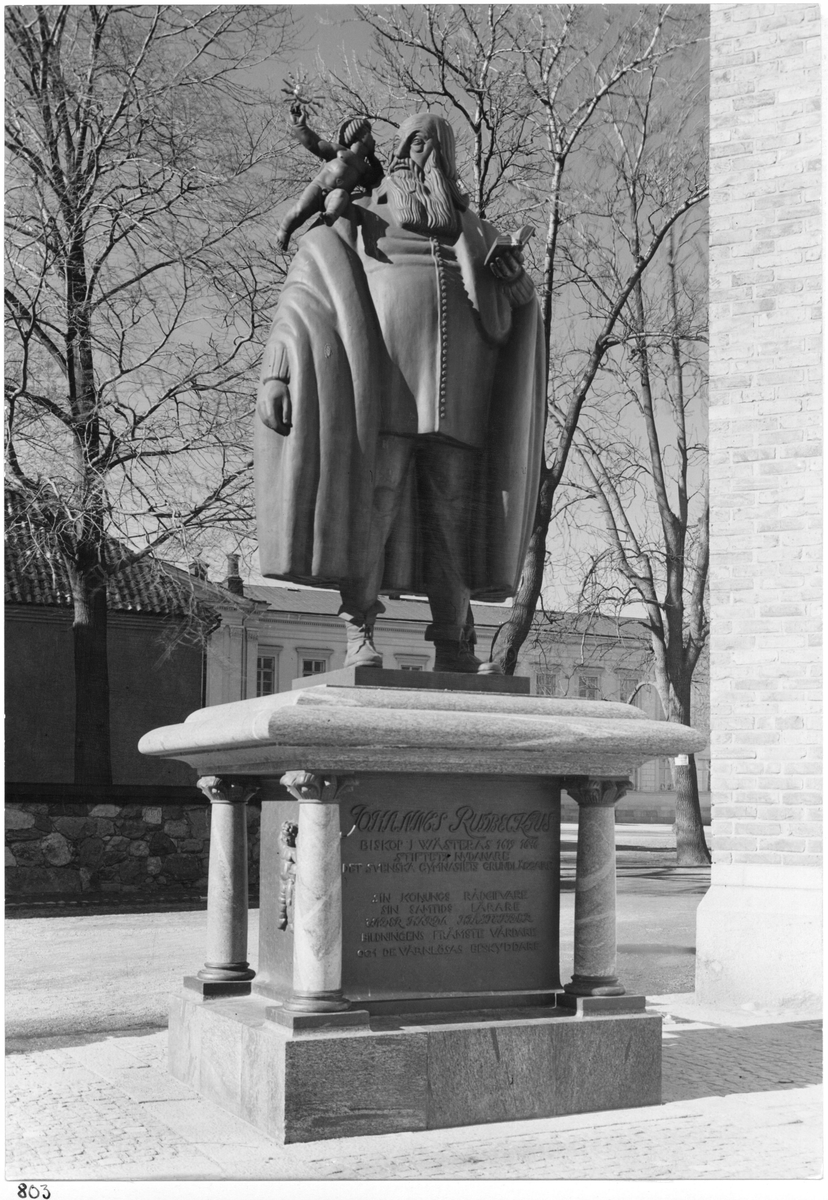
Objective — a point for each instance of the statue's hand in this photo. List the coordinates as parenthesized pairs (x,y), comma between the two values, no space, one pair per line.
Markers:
(274,406)
(509,266)
(297,113)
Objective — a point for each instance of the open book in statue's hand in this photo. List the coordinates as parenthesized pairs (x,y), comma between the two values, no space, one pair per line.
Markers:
(504,243)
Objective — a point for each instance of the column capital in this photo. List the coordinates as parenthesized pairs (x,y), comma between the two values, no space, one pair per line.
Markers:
(309,788)
(225,789)
(598,793)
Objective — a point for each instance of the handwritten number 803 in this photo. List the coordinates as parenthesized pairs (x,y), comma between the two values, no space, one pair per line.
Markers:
(29,1191)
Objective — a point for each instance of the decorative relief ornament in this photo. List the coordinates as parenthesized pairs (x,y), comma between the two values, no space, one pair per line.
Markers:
(306,786)
(223,789)
(287,872)
(599,793)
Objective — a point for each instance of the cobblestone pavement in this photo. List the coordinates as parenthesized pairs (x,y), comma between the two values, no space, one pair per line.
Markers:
(742,1101)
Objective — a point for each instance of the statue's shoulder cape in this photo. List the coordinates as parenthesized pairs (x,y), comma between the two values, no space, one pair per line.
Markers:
(314,487)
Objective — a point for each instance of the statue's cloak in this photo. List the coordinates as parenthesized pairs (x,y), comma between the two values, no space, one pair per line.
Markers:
(314,487)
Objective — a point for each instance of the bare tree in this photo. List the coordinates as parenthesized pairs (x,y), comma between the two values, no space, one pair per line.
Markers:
(138,269)
(620,67)
(530,90)
(648,476)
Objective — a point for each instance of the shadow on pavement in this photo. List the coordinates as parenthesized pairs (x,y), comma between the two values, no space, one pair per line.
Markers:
(21,910)
(646,881)
(754,1058)
(25,1045)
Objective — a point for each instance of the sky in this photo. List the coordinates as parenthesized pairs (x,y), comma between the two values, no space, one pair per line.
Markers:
(329,30)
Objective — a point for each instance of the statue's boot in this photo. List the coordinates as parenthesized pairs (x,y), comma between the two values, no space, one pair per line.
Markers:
(457,656)
(361,651)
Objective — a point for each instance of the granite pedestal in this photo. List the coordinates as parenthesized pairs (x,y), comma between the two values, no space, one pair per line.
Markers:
(411,1072)
(408,960)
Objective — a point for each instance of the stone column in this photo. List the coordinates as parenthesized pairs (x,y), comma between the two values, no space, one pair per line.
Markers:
(317,906)
(226,970)
(595,932)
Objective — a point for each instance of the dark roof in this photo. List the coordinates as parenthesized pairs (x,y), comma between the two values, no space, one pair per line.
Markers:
(323,601)
(35,574)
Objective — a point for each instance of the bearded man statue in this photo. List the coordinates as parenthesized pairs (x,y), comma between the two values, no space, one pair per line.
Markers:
(401,407)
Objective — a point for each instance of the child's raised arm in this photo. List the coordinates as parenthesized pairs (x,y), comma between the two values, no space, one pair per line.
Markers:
(298,128)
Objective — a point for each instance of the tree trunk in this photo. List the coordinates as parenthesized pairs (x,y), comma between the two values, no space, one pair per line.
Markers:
(691,846)
(516,629)
(93,757)
(675,691)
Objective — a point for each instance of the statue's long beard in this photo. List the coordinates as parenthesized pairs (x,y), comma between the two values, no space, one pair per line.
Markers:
(422,202)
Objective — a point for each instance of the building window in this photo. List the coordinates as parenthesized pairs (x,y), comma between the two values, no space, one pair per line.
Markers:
(588,687)
(665,775)
(267,679)
(314,666)
(412,662)
(627,685)
(546,683)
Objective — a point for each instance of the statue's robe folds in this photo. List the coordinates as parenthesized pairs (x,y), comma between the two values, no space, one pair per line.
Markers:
(314,487)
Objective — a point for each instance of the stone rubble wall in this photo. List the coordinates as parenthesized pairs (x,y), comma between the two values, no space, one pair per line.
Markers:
(120,846)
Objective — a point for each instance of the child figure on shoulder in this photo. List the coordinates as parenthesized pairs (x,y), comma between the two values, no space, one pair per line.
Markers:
(350,163)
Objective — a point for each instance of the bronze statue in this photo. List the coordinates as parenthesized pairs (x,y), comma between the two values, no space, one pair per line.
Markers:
(352,162)
(401,406)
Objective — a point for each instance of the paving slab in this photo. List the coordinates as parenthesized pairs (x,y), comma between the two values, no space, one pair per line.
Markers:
(147,1084)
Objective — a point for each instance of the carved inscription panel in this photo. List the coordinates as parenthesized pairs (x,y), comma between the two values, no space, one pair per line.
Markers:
(450,885)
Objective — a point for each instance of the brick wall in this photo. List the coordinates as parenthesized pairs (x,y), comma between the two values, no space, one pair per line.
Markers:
(765,419)
(147,688)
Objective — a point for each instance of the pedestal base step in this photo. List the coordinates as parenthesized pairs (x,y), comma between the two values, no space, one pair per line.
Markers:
(602,1005)
(444,681)
(210,989)
(399,1075)
(300,1022)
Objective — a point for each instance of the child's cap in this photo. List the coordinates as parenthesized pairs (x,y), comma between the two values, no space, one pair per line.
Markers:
(353,130)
